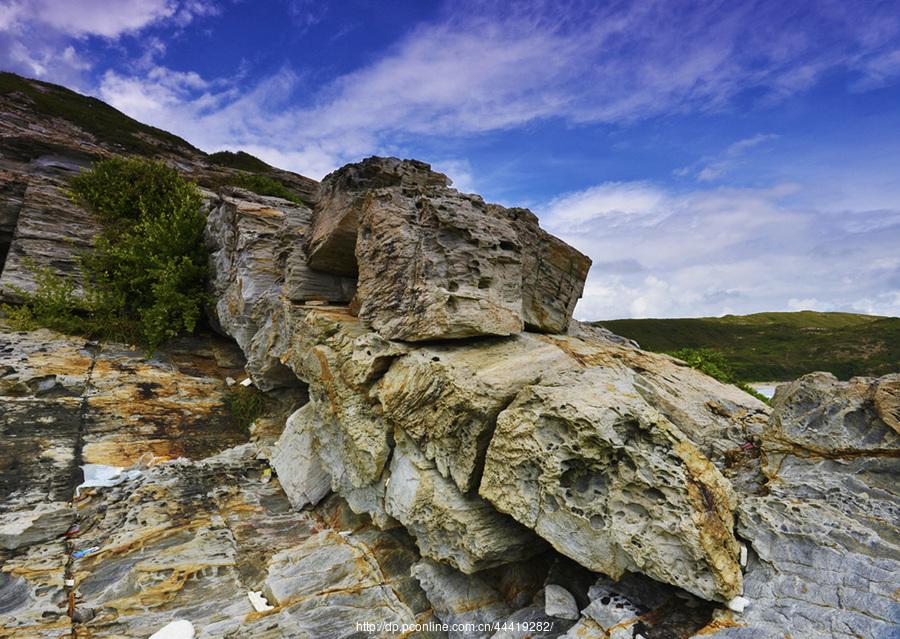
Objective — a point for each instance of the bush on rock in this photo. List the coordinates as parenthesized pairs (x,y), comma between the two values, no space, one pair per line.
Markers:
(145,279)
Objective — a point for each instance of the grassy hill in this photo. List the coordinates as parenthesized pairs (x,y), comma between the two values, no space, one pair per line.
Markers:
(778,346)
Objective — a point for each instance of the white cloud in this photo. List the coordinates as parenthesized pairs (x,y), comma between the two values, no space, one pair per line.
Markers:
(98,17)
(714,251)
(879,70)
(45,38)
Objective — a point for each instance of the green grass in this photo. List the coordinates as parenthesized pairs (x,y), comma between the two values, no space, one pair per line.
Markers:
(97,118)
(246,404)
(714,364)
(778,346)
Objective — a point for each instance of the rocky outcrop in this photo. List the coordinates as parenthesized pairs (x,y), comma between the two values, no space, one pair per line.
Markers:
(434,263)
(406,432)
(595,470)
(824,547)
(332,239)
(66,402)
(47,135)
(257,255)
(443,444)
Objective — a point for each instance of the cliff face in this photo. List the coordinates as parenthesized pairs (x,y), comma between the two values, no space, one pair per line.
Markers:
(47,134)
(447,443)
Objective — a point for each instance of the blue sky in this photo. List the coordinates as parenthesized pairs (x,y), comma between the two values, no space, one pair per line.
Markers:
(711,157)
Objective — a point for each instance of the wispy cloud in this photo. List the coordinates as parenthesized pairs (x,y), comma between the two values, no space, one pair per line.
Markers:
(714,167)
(41,38)
(482,67)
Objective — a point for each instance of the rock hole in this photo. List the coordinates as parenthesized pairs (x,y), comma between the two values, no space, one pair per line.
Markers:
(453,286)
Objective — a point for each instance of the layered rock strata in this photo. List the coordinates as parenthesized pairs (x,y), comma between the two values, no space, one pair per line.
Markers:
(824,548)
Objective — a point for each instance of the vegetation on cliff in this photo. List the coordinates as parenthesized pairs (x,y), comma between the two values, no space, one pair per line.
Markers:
(264,185)
(145,279)
(778,346)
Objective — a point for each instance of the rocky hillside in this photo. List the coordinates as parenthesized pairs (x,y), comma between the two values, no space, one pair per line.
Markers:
(444,451)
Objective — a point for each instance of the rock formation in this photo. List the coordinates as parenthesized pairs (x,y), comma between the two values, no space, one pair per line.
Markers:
(434,263)
(448,444)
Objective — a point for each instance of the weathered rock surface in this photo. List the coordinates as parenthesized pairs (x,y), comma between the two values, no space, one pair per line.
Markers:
(190,540)
(437,266)
(370,393)
(460,599)
(825,548)
(180,539)
(434,263)
(332,240)
(257,256)
(447,396)
(611,482)
(463,531)
(65,402)
(294,459)
(453,440)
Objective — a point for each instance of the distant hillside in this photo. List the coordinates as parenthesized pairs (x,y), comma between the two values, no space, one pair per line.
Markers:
(779,346)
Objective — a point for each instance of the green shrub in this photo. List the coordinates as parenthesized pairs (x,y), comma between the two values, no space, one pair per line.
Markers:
(714,364)
(246,404)
(264,185)
(145,279)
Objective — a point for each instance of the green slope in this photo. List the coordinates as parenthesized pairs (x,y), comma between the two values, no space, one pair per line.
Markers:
(92,115)
(779,346)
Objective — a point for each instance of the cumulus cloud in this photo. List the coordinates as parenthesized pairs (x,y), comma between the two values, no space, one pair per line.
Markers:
(725,250)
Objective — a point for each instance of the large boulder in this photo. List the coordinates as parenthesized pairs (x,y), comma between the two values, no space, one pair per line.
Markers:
(434,263)
(437,265)
(295,461)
